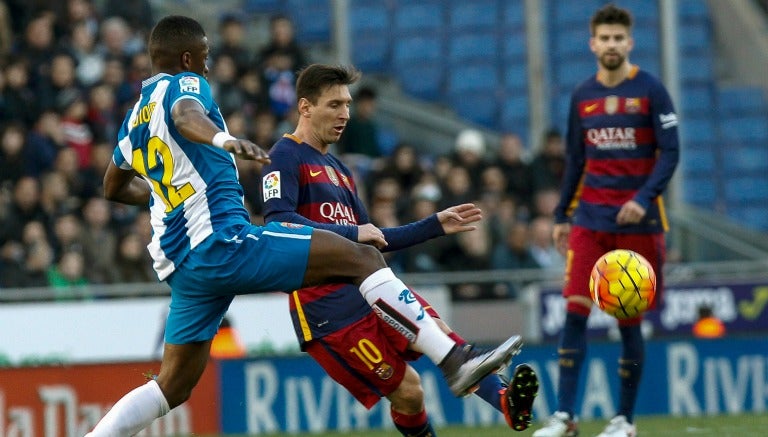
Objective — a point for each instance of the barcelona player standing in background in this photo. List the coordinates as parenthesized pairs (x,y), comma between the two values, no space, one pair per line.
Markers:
(622,150)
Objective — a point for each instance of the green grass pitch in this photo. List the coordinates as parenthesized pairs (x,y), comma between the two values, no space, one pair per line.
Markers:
(647,426)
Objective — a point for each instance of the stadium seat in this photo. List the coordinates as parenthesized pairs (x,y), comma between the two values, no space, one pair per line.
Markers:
(643,11)
(514,14)
(696,130)
(516,76)
(697,101)
(753,217)
(700,191)
(425,16)
(514,45)
(698,159)
(371,53)
(695,36)
(469,46)
(514,109)
(571,73)
(693,11)
(477,76)
(697,69)
(571,44)
(418,49)
(742,100)
(368,19)
(649,63)
(477,107)
(424,81)
(742,159)
(263,6)
(741,190)
(567,13)
(646,41)
(312,20)
(473,15)
(745,129)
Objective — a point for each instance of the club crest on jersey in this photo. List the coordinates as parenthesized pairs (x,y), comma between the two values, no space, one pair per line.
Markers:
(190,84)
(332,175)
(611,104)
(632,105)
(271,185)
(345,179)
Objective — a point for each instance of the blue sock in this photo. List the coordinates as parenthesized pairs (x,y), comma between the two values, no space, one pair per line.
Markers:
(630,368)
(489,389)
(573,348)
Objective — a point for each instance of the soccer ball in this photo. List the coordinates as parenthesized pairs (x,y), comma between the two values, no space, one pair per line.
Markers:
(622,283)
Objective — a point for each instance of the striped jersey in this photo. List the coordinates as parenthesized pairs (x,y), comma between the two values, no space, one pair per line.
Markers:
(621,144)
(303,185)
(194,187)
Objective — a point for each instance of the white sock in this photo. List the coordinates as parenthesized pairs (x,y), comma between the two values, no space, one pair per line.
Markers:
(134,412)
(396,305)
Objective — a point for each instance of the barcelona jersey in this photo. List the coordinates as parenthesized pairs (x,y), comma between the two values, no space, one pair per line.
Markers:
(302,185)
(621,145)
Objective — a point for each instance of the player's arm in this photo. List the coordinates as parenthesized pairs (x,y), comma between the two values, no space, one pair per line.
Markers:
(575,158)
(125,186)
(665,129)
(193,123)
(458,218)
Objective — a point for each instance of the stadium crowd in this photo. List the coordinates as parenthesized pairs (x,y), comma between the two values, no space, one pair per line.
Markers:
(70,70)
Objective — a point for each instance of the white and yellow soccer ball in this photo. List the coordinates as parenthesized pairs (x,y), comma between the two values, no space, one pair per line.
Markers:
(623,283)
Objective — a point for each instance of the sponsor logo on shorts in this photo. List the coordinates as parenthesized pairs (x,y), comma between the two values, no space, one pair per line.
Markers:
(394,323)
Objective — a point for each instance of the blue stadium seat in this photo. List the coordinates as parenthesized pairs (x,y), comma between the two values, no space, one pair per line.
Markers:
(516,75)
(470,46)
(696,130)
(514,14)
(752,216)
(369,19)
(473,15)
(573,12)
(697,69)
(745,129)
(424,81)
(699,159)
(741,159)
(643,11)
(571,44)
(742,100)
(693,11)
(649,63)
(417,48)
(371,54)
(312,20)
(476,107)
(647,41)
(424,16)
(697,101)
(263,6)
(696,36)
(514,110)
(746,189)
(514,45)
(700,191)
(477,76)
(569,74)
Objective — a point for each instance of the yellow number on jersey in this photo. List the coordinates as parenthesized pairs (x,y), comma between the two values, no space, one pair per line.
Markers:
(172,196)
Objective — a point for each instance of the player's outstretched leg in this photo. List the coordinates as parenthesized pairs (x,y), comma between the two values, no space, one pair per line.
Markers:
(466,365)
(517,398)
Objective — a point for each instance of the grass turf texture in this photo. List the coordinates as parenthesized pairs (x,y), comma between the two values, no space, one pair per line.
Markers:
(647,426)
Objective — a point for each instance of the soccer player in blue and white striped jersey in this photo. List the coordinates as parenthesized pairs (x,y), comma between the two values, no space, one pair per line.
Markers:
(175,154)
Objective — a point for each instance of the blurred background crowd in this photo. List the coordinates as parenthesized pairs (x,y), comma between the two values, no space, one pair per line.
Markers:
(69,71)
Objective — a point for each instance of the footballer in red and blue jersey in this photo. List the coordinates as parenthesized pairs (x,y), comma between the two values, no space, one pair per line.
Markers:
(622,144)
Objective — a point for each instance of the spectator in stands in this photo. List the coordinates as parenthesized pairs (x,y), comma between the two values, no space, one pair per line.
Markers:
(542,247)
(457,187)
(44,142)
(403,167)
(265,128)
(82,44)
(118,40)
(19,98)
(37,46)
(115,76)
(6,33)
(232,42)
(282,41)
(131,260)
(25,263)
(469,152)
(361,135)
(99,241)
(102,113)
(68,272)
(225,86)
(55,89)
(137,14)
(67,163)
(512,160)
(12,156)
(67,234)
(708,325)
(254,97)
(279,60)
(55,196)
(513,252)
(78,135)
(469,252)
(24,208)
(548,165)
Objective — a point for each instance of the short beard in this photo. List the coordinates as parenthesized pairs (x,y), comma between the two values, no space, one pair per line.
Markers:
(611,66)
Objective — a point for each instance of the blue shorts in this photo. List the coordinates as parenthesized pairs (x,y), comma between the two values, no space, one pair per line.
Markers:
(236,260)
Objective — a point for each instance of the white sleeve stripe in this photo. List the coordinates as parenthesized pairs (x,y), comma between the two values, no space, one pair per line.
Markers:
(282,235)
(188,97)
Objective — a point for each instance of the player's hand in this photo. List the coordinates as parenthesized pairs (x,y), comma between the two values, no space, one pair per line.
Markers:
(370,234)
(459,218)
(560,234)
(245,149)
(630,214)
